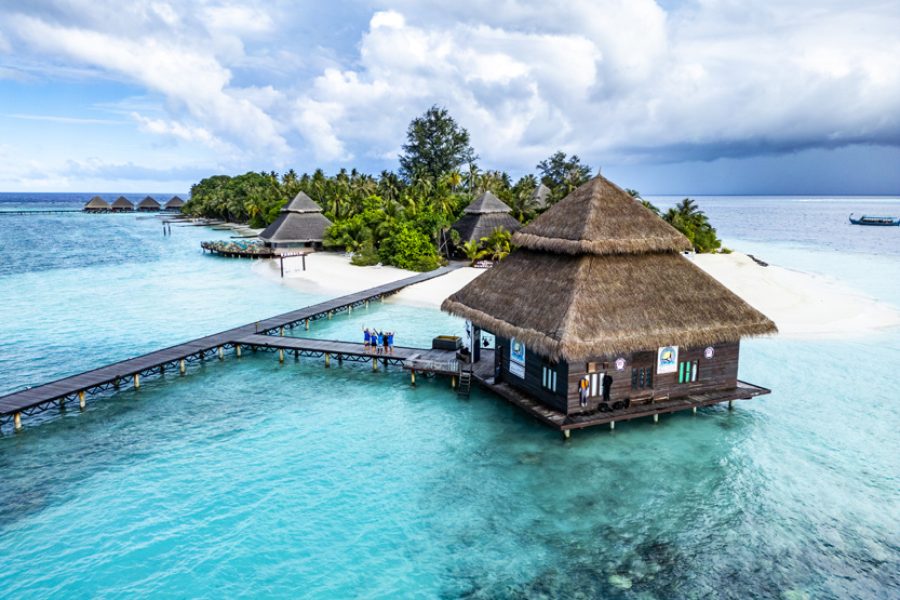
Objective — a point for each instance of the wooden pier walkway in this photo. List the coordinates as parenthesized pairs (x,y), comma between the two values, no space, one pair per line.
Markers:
(259,334)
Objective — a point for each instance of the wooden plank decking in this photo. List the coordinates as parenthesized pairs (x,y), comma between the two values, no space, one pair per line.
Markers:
(36,399)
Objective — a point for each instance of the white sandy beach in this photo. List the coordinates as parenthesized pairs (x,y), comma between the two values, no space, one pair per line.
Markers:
(801,304)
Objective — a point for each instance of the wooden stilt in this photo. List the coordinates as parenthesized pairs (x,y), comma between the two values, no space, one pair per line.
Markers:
(367,304)
(412,376)
(330,314)
(221,353)
(731,405)
(694,410)
(612,424)
(453,382)
(116,383)
(340,360)
(349,310)
(137,381)
(281,355)
(281,331)
(81,400)
(374,364)
(656,418)
(327,360)
(567,433)
(182,367)
(17,421)
(307,324)
(237,350)
(296,355)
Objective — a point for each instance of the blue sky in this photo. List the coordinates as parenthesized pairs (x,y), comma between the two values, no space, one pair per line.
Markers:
(698,97)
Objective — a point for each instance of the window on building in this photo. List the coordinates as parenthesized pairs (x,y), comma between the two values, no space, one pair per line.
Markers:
(688,371)
(641,378)
(548,378)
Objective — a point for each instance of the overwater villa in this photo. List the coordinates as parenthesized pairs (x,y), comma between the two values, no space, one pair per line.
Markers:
(174,204)
(122,204)
(148,204)
(96,205)
(598,317)
(482,216)
(300,224)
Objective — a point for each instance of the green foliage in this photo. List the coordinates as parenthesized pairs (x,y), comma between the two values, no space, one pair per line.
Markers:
(562,174)
(497,245)
(471,250)
(366,255)
(687,218)
(408,248)
(435,145)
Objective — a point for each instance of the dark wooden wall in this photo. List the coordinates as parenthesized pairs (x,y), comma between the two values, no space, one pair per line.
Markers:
(533,382)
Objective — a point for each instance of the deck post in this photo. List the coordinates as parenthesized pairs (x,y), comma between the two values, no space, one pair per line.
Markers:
(237,350)
(374,364)
(340,360)
(281,331)
(17,421)
(453,381)
(731,405)
(137,381)
(81,402)
(694,410)
(327,360)
(349,310)
(281,355)
(221,353)
(330,314)
(296,355)
(656,417)
(181,366)
(116,383)
(307,324)
(367,304)
(612,425)
(567,433)
(412,375)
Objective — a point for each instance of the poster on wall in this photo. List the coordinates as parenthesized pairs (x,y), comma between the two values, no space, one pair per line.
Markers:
(667,360)
(517,358)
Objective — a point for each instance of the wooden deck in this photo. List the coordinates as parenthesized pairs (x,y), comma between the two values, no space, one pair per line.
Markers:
(129,372)
(483,373)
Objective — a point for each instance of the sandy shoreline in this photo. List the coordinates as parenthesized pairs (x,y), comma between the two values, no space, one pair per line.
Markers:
(803,305)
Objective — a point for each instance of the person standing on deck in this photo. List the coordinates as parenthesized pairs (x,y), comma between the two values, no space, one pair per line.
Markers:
(390,342)
(379,340)
(367,338)
(607,386)
(387,338)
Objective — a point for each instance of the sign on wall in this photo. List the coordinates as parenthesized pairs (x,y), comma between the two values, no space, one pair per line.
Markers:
(620,364)
(667,360)
(517,358)
(709,352)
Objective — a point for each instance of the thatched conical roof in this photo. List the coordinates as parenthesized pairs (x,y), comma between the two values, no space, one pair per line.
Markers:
(541,197)
(627,292)
(600,218)
(296,227)
(148,203)
(485,204)
(302,204)
(482,216)
(174,203)
(123,203)
(96,203)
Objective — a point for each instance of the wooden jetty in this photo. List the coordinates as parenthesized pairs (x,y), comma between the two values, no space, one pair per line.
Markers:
(264,333)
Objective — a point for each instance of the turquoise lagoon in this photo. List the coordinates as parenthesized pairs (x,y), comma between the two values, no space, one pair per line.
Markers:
(250,478)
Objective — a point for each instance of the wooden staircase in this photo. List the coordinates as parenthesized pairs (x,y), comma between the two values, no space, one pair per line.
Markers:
(465,384)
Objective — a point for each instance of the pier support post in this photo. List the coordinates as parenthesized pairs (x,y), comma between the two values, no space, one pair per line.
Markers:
(340,360)
(612,425)
(137,381)
(221,353)
(367,304)
(307,324)
(656,418)
(327,360)
(412,376)
(349,310)
(374,364)
(731,405)
(182,367)
(567,433)
(281,331)
(116,383)
(330,314)
(694,410)
(81,400)
(453,381)
(17,421)
(237,350)
(296,355)
(281,355)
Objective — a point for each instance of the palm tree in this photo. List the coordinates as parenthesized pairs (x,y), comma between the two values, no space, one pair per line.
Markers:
(472,250)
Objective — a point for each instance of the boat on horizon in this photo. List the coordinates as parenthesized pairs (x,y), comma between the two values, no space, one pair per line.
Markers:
(876,221)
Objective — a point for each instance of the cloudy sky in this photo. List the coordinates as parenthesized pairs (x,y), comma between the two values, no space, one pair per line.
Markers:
(695,97)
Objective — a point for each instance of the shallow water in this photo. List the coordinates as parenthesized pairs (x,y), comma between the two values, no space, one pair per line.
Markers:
(250,478)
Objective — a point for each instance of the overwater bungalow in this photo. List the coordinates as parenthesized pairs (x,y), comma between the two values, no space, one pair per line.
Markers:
(96,205)
(174,204)
(482,216)
(148,204)
(598,317)
(300,224)
(122,204)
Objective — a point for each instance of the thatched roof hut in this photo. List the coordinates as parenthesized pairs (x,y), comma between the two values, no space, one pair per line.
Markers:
(148,204)
(540,199)
(122,204)
(599,274)
(174,203)
(300,223)
(96,204)
(482,216)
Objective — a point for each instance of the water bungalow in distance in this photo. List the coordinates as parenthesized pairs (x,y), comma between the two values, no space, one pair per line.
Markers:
(96,205)
(482,216)
(174,204)
(599,318)
(148,204)
(300,224)
(122,204)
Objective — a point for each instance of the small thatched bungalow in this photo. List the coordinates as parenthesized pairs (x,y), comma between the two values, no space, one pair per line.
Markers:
(96,205)
(174,204)
(148,204)
(122,204)
(300,224)
(540,199)
(482,216)
(598,289)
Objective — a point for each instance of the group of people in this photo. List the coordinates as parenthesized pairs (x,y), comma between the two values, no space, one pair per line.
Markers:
(379,342)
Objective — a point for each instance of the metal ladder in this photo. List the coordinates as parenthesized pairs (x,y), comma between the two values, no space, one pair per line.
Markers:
(465,384)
